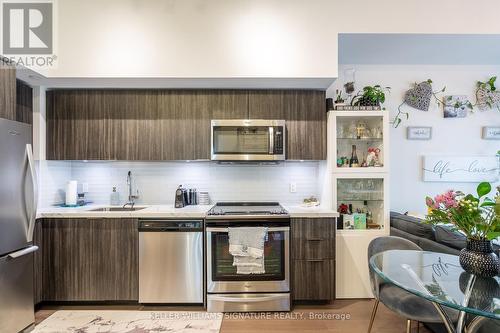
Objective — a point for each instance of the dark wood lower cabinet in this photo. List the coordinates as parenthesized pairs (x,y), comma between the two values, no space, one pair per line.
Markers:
(37,263)
(313,280)
(313,259)
(90,260)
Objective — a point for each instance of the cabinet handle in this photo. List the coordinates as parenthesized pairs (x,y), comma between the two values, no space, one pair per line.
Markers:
(315,239)
(315,260)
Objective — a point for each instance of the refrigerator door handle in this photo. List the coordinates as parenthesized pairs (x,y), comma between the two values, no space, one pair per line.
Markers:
(23,252)
(31,226)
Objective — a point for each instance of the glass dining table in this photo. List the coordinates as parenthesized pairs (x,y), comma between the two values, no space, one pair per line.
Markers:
(439,278)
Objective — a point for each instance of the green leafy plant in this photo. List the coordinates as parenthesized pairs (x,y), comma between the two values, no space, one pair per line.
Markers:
(339,98)
(478,217)
(370,96)
(488,85)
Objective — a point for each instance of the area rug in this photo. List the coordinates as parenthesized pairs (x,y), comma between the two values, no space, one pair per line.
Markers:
(130,322)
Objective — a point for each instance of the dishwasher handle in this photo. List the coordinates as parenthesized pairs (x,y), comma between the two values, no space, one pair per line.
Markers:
(170,225)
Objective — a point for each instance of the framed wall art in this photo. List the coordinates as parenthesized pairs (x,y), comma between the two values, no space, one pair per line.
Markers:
(461,169)
(419,133)
(491,133)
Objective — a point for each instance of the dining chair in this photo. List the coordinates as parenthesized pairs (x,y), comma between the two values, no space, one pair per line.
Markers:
(409,306)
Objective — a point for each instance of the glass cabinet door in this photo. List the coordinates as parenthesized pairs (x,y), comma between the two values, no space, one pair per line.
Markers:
(360,202)
(360,141)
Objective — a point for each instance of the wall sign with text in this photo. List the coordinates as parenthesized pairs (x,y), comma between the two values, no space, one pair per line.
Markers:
(491,133)
(419,133)
(465,169)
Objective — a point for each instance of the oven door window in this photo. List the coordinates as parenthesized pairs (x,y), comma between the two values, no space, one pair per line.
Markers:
(274,259)
(241,140)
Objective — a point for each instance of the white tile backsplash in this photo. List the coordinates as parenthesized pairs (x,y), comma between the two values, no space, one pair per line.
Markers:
(157,181)
(52,179)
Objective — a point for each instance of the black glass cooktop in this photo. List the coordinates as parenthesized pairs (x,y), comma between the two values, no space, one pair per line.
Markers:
(247,208)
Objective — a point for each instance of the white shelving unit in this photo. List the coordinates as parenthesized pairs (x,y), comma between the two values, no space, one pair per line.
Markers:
(364,188)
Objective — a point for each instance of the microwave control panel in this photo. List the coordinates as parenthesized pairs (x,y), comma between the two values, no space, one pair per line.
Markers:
(279,141)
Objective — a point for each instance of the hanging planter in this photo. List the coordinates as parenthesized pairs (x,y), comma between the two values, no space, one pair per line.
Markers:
(420,96)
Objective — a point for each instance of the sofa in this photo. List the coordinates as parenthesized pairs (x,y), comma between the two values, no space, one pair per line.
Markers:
(430,238)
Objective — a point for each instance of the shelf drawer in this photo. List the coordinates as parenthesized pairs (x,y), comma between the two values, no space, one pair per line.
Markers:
(313,279)
(313,238)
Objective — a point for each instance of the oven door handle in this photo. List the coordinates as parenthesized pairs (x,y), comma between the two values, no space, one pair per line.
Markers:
(211,229)
(243,299)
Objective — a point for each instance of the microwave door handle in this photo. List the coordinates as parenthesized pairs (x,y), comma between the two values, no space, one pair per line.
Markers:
(271,140)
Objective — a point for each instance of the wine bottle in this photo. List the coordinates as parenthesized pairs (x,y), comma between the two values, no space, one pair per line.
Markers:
(353,163)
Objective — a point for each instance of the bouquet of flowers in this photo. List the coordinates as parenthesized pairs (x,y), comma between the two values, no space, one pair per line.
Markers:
(477,217)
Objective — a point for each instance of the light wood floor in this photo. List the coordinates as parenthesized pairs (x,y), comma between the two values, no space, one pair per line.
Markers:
(297,321)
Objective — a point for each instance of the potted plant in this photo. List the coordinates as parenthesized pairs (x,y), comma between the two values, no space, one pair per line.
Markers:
(370,96)
(478,217)
(339,100)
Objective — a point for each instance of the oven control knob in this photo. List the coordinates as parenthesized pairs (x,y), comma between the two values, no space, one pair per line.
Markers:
(247,285)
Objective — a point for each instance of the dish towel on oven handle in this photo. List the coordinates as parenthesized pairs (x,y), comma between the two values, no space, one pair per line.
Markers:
(246,245)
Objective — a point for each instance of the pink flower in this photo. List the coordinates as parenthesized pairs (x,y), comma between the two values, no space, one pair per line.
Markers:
(447,199)
(430,203)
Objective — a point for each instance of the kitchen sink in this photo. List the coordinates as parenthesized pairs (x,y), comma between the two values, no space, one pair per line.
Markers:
(117,209)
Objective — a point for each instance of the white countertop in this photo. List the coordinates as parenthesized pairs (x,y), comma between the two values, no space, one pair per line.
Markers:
(310,212)
(166,211)
(153,211)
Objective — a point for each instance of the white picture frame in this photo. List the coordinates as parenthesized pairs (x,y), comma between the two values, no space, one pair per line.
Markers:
(419,133)
(460,169)
(491,133)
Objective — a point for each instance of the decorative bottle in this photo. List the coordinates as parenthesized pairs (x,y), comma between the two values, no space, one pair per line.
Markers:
(354,163)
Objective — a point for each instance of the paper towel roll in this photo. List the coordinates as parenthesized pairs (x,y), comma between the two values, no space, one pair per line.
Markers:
(71,192)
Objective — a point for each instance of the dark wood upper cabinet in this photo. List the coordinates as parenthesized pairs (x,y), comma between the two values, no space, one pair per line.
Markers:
(305,115)
(173,124)
(7,91)
(24,102)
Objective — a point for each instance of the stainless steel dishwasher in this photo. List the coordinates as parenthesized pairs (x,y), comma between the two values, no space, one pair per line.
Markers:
(171,261)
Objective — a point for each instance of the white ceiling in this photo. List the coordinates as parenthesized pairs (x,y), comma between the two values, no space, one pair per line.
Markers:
(419,49)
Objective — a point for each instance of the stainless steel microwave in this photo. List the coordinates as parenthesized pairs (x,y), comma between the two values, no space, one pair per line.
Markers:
(248,140)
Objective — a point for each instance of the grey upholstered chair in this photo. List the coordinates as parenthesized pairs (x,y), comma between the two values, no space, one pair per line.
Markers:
(396,299)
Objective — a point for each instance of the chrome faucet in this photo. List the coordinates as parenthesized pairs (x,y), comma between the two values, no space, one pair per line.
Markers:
(131,196)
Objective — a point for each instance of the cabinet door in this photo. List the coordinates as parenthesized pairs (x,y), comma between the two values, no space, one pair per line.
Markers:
(90,260)
(269,104)
(133,119)
(313,238)
(24,103)
(313,279)
(7,91)
(67,260)
(305,115)
(38,263)
(115,259)
(306,126)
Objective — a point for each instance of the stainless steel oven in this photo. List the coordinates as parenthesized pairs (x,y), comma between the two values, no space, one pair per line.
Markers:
(248,140)
(228,291)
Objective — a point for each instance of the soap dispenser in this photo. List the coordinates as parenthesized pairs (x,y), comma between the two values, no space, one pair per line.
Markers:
(115,197)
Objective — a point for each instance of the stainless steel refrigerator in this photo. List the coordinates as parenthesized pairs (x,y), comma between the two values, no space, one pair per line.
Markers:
(18,203)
